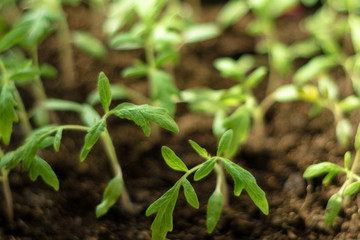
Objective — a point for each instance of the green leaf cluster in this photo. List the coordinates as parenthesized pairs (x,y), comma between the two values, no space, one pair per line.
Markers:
(164,206)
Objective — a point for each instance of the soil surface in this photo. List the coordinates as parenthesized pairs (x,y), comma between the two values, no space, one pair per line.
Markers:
(293,142)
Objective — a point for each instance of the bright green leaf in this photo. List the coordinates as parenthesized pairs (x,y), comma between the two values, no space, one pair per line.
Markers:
(344,131)
(357,139)
(111,195)
(352,188)
(287,93)
(322,168)
(40,167)
(57,139)
(225,142)
(14,36)
(7,113)
(214,209)
(347,159)
(91,138)
(190,194)
(201,32)
(104,91)
(244,179)
(332,208)
(164,207)
(89,44)
(205,169)
(200,150)
(142,114)
(172,160)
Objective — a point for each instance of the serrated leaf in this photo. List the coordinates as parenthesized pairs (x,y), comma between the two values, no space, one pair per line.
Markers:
(111,195)
(172,160)
(200,150)
(39,167)
(244,179)
(352,188)
(7,113)
(205,169)
(322,168)
(91,138)
(190,194)
(27,152)
(332,208)
(57,139)
(164,207)
(104,91)
(225,142)
(143,114)
(214,209)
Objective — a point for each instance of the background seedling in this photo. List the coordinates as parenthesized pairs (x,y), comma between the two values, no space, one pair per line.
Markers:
(164,206)
(160,28)
(348,188)
(96,128)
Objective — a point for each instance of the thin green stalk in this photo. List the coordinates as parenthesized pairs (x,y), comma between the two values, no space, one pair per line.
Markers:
(221,182)
(66,53)
(116,168)
(7,191)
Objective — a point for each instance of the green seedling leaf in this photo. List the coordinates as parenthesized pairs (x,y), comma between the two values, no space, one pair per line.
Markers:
(313,68)
(190,194)
(344,131)
(328,177)
(14,36)
(91,138)
(104,91)
(164,91)
(126,41)
(228,68)
(332,208)
(255,77)
(347,159)
(118,92)
(354,22)
(24,74)
(135,71)
(39,167)
(57,139)
(89,44)
(142,114)
(214,209)
(61,105)
(349,104)
(205,169)
(164,207)
(172,160)
(225,142)
(318,169)
(328,88)
(48,71)
(111,195)
(200,150)
(48,141)
(201,32)
(244,179)
(352,188)
(89,115)
(27,152)
(357,139)
(232,11)
(7,160)
(281,58)
(7,113)
(286,93)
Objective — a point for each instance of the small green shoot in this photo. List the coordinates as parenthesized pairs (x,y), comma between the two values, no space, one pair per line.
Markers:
(164,206)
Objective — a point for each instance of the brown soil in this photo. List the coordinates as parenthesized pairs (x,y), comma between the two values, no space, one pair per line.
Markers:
(293,142)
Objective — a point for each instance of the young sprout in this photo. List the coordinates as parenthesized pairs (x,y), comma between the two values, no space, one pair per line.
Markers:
(95,128)
(235,108)
(160,28)
(164,206)
(348,188)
